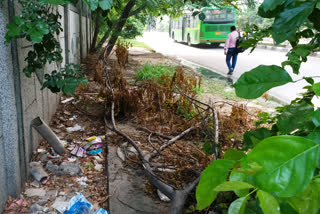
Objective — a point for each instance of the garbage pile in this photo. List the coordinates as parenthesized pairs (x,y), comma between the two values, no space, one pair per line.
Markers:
(70,181)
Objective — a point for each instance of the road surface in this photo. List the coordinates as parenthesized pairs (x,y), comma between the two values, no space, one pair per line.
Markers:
(214,59)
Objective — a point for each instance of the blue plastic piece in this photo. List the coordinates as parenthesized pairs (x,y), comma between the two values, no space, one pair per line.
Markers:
(95,152)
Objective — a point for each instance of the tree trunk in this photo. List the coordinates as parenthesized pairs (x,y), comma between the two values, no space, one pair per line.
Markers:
(103,39)
(96,32)
(119,25)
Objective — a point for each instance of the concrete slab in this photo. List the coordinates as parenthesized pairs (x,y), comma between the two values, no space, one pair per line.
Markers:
(127,189)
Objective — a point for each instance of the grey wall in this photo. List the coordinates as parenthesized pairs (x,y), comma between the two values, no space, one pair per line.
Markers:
(21,99)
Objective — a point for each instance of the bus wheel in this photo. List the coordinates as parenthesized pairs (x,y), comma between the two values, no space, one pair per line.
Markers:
(189,40)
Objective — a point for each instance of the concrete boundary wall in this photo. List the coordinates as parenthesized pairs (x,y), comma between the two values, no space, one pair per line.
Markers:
(21,99)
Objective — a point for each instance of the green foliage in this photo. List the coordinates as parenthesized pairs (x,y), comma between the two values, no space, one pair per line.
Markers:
(233,154)
(39,24)
(154,72)
(216,173)
(102,4)
(256,82)
(252,138)
(66,80)
(268,203)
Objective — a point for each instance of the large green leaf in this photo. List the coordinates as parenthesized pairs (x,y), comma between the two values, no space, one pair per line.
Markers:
(270,5)
(238,206)
(105,4)
(285,25)
(295,117)
(233,154)
(307,201)
(233,185)
(288,164)
(252,138)
(216,173)
(54,2)
(268,203)
(256,82)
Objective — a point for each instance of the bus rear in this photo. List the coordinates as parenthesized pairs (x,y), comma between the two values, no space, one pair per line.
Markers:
(215,25)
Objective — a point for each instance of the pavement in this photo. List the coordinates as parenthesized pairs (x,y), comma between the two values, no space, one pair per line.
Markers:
(214,60)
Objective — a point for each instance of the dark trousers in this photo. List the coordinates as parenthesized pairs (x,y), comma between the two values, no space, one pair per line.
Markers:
(232,54)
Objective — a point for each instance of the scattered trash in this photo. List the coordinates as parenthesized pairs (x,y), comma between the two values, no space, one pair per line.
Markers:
(54,156)
(35,192)
(67,168)
(74,117)
(82,181)
(51,167)
(78,151)
(41,150)
(162,196)
(96,142)
(38,172)
(98,159)
(95,152)
(98,167)
(45,131)
(80,205)
(35,183)
(73,159)
(67,100)
(60,205)
(17,204)
(75,128)
(36,208)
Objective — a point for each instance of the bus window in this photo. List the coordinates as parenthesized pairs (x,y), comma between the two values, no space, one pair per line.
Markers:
(219,16)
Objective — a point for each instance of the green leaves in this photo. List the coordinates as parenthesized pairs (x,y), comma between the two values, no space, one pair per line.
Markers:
(295,116)
(54,2)
(216,173)
(288,164)
(233,185)
(66,80)
(254,83)
(316,118)
(233,154)
(268,203)
(315,18)
(316,88)
(238,206)
(308,200)
(252,138)
(286,23)
(13,30)
(103,4)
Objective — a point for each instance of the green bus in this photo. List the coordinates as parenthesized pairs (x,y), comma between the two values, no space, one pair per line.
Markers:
(210,26)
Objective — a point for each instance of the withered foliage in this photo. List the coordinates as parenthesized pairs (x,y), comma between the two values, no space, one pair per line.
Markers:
(122,53)
(150,103)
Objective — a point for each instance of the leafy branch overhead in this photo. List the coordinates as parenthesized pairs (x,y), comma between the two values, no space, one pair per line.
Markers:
(279,173)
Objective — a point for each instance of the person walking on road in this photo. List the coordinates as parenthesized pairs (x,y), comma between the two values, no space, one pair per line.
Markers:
(230,49)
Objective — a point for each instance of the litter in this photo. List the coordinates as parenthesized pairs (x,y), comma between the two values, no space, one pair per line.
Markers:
(73,159)
(75,128)
(38,172)
(54,156)
(80,205)
(95,142)
(60,205)
(95,152)
(98,167)
(31,192)
(162,196)
(67,100)
(18,203)
(82,181)
(78,151)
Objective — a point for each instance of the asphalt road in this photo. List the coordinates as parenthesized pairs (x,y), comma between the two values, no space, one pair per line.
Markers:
(214,59)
